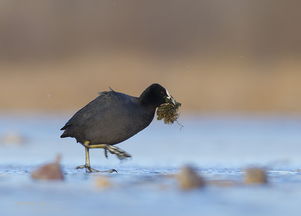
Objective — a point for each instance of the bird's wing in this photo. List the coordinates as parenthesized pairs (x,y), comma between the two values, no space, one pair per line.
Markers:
(91,109)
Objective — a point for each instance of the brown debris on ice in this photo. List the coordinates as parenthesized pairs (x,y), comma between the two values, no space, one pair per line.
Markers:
(13,138)
(189,179)
(103,182)
(50,171)
(256,176)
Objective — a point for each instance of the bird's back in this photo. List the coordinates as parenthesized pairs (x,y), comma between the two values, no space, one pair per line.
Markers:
(109,119)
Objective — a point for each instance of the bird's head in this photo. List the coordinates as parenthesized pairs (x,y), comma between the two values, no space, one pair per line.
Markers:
(155,95)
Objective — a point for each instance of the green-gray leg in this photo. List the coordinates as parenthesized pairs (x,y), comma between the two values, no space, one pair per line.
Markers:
(121,154)
(87,163)
(87,166)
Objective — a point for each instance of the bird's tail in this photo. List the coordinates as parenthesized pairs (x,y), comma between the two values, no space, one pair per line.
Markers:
(65,134)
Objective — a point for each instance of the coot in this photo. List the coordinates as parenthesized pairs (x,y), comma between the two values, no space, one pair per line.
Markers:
(112,118)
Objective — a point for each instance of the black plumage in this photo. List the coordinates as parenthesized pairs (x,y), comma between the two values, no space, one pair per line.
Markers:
(112,118)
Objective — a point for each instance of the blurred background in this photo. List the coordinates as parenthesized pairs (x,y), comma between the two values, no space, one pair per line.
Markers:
(213,56)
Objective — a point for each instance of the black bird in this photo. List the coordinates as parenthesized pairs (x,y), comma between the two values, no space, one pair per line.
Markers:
(112,118)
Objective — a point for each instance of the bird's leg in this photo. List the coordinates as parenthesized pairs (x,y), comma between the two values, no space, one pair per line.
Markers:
(121,154)
(87,163)
(88,166)
(104,146)
(95,145)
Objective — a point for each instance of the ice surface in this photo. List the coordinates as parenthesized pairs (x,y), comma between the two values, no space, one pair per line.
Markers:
(219,147)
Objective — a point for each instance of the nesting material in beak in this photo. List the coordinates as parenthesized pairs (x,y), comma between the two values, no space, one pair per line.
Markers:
(168,111)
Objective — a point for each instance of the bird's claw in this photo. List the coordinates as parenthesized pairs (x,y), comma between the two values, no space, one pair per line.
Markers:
(80,167)
(91,170)
(88,168)
(111,171)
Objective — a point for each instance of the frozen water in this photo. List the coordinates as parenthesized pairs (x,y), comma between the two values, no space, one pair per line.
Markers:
(219,147)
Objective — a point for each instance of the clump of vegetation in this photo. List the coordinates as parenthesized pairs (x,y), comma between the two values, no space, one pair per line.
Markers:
(168,111)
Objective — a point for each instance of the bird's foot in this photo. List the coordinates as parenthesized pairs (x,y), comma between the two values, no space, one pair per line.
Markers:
(91,170)
(80,167)
(109,171)
(88,168)
(121,154)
